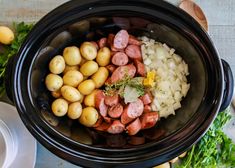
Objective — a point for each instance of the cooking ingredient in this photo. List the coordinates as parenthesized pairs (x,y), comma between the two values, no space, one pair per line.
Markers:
(120,40)
(149,81)
(102,42)
(57,65)
(164,165)
(116,127)
(69,68)
(70,93)
(147,98)
(103,56)
(59,107)
(170,79)
(115,111)
(130,94)
(134,52)
(95,44)
(56,94)
(74,110)
(119,59)
(99,103)
(122,72)
(21,31)
(53,82)
(149,120)
(82,98)
(90,99)
(89,68)
(134,127)
(111,100)
(215,149)
(72,55)
(73,78)
(88,50)
(133,40)
(86,87)
(111,68)
(100,77)
(6,35)
(89,116)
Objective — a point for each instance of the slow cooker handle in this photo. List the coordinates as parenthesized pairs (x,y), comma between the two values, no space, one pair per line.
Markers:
(9,78)
(228,86)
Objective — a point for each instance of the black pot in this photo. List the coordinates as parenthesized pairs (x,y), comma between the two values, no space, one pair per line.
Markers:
(76,21)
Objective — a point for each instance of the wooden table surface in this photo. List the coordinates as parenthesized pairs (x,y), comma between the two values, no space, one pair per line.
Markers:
(220,15)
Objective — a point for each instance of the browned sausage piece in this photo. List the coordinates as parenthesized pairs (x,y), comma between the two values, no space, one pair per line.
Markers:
(102,42)
(111,100)
(108,81)
(107,119)
(115,111)
(121,39)
(120,59)
(116,127)
(134,140)
(99,103)
(111,68)
(122,71)
(110,39)
(148,120)
(133,51)
(147,98)
(98,122)
(95,44)
(140,68)
(132,111)
(103,127)
(134,40)
(134,127)
(147,108)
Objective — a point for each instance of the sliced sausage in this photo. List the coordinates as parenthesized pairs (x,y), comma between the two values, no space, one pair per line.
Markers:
(134,140)
(110,39)
(147,98)
(111,68)
(134,127)
(103,127)
(116,127)
(95,44)
(102,42)
(148,120)
(121,39)
(133,40)
(120,59)
(115,111)
(122,71)
(99,103)
(140,68)
(108,81)
(98,122)
(111,100)
(116,141)
(113,49)
(147,108)
(133,51)
(132,111)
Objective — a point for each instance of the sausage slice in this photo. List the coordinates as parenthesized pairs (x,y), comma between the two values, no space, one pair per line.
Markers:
(102,42)
(133,51)
(120,59)
(115,111)
(134,127)
(116,127)
(121,39)
(111,68)
(149,120)
(111,100)
(99,103)
(134,40)
(147,98)
(140,68)
(122,71)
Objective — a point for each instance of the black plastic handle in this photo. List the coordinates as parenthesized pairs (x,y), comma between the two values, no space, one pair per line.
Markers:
(228,86)
(9,78)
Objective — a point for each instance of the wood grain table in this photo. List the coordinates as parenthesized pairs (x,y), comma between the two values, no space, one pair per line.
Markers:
(220,15)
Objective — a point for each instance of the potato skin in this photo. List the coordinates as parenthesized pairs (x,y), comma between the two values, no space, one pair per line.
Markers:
(69,68)
(6,35)
(89,116)
(59,107)
(103,56)
(53,82)
(56,94)
(70,93)
(74,110)
(100,77)
(88,50)
(57,64)
(72,78)
(89,100)
(89,68)
(86,87)
(72,55)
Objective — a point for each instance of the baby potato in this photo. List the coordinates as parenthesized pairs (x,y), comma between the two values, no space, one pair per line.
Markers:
(86,87)
(53,82)
(6,35)
(72,55)
(73,78)
(88,50)
(74,110)
(89,100)
(89,68)
(56,94)
(59,107)
(69,68)
(100,77)
(83,61)
(103,56)
(70,93)
(57,64)
(89,116)
(82,98)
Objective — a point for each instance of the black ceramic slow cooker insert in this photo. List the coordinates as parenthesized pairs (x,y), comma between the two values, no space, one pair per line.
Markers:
(78,21)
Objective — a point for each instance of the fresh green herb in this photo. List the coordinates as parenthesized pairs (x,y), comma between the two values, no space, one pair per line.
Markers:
(21,31)
(214,150)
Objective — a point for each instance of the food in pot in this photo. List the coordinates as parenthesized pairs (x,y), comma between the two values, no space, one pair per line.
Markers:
(6,35)
(118,84)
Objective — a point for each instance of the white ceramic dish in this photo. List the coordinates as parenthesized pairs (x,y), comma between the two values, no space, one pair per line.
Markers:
(19,145)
